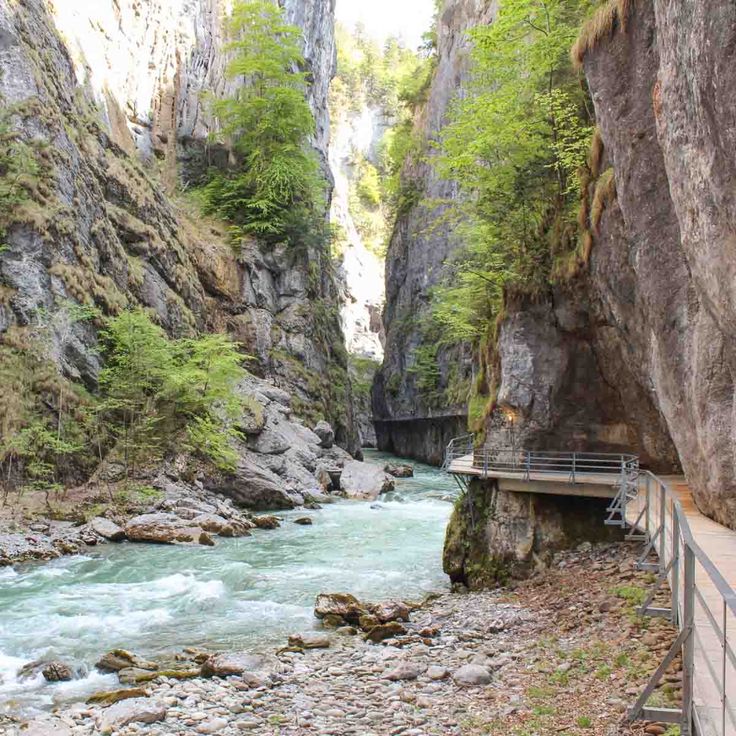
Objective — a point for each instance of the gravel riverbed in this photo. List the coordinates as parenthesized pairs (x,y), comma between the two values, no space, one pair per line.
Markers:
(562,653)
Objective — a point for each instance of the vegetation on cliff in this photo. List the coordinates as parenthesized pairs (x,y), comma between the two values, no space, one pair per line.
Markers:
(517,142)
(277,190)
(155,395)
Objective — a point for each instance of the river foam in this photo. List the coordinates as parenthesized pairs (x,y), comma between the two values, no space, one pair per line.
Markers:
(243,593)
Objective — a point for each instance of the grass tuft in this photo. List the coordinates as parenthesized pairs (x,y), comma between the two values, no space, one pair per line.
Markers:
(604,23)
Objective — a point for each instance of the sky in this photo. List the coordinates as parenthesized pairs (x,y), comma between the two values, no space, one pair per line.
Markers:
(406,18)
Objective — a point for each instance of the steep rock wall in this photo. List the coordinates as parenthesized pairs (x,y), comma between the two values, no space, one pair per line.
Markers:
(639,351)
(109,96)
(411,418)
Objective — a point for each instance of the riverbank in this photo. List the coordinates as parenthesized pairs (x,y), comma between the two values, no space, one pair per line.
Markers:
(550,656)
(245,592)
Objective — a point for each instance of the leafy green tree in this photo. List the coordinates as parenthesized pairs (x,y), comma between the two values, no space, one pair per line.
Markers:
(158,393)
(139,361)
(277,186)
(516,141)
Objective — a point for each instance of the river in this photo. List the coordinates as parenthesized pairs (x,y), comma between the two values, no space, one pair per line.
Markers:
(248,593)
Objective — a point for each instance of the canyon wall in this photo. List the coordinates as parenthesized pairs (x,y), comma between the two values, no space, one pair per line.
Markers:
(413,418)
(638,351)
(656,364)
(112,99)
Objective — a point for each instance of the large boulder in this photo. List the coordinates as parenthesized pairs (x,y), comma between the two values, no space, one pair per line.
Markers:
(391,611)
(339,607)
(120,659)
(133,710)
(57,672)
(107,529)
(400,470)
(251,486)
(161,529)
(224,527)
(364,481)
(326,434)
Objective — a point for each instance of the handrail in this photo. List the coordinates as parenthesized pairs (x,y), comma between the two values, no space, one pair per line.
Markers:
(703,621)
(652,509)
(461,453)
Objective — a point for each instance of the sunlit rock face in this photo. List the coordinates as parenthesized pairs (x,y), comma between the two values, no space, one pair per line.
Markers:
(643,345)
(114,99)
(362,269)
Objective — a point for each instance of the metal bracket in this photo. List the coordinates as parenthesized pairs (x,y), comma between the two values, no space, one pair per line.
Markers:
(646,608)
(638,709)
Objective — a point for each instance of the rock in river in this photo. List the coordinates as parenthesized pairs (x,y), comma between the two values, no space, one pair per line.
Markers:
(339,606)
(161,529)
(364,481)
(120,659)
(400,470)
(57,672)
(107,529)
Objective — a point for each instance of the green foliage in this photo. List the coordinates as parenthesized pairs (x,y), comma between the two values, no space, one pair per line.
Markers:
(157,392)
(516,142)
(46,421)
(277,191)
(18,168)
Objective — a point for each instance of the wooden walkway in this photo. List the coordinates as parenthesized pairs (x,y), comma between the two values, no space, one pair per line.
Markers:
(590,485)
(714,678)
(696,556)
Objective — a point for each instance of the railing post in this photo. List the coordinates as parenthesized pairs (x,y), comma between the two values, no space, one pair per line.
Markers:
(648,507)
(675,601)
(688,647)
(662,525)
(485,462)
(574,459)
(528,464)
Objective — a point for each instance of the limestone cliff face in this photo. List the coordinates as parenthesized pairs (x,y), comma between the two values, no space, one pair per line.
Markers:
(645,359)
(110,98)
(411,418)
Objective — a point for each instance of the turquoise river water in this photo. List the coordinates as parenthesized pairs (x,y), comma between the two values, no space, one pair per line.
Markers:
(244,593)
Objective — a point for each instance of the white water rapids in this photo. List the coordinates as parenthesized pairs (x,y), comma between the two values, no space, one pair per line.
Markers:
(244,593)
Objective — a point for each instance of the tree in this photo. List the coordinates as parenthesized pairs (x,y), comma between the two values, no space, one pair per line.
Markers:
(139,361)
(277,186)
(158,394)
(516,141)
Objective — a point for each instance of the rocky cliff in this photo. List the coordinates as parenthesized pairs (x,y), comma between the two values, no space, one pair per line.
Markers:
(636,352)
(111,101)
(654,315)
(416,404)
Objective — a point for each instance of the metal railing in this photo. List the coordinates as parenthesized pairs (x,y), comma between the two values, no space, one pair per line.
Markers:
(702,605)
(461,455)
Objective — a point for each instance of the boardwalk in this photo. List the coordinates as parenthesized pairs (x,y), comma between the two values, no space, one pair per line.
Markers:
(590,485)
(714,677)
(693,554)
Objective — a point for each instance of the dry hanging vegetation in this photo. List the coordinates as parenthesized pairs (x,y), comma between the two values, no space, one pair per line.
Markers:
(614,14)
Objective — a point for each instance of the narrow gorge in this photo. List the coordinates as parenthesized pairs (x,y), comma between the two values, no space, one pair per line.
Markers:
(312,313)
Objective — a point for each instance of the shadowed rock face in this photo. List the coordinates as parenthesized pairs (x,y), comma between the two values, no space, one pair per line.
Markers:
(415,264)
(109,95)
(639,352)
